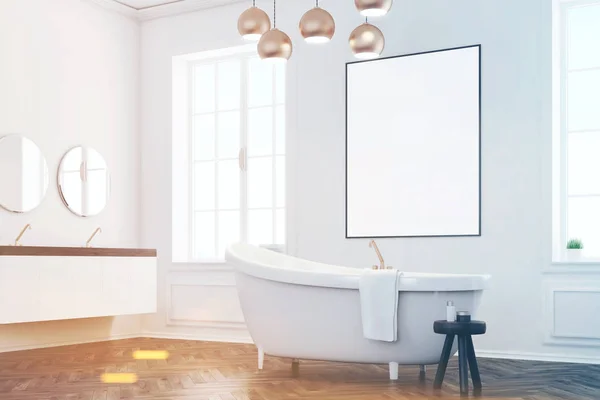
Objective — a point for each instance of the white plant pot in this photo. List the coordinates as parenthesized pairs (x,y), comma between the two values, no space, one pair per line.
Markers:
(574,254)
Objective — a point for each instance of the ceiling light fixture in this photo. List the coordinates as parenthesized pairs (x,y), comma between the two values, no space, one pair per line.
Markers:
(275,45)
(367,41)
(373,8)
(253,23)
(317,25)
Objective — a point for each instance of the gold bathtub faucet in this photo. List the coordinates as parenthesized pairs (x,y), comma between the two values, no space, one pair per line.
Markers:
(87,244)
(17,240)
(373,245)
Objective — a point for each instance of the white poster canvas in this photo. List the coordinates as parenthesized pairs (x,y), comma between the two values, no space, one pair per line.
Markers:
(413,145)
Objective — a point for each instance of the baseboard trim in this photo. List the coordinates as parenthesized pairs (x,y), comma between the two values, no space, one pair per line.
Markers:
(239,337)
(8,349)
(233,336)
(547,357)
(244,337)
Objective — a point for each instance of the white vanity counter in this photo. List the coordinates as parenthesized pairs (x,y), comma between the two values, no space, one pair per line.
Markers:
(55,283)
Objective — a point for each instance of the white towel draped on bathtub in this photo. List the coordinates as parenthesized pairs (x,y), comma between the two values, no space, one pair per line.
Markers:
(379,304)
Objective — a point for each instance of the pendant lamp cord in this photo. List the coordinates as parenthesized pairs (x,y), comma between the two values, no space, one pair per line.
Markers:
(317,3)
(253,3)
(366,20)
(274,14)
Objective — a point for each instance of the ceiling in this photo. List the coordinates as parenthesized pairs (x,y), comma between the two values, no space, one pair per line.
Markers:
(150,9)
(143,4)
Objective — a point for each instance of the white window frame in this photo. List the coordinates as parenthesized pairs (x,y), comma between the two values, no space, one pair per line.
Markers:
(560,132)
(183,128)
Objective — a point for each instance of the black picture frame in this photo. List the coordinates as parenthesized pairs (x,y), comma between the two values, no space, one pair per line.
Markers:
(479,233)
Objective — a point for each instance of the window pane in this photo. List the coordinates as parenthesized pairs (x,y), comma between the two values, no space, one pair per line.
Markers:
(228,92)
(584,223)
(280,227)
(204,137)
(280,129)
(260,182)
(204,88)
(584,100)
(204,235)
(280,83)
(260,83)
(280,181)
(260,131)
(229,185)
(204,185)
(584,31)
(584,163)
(229,230)
(229,134)
(260,227)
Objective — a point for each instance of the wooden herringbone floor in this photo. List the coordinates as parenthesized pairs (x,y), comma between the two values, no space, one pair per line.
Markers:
(224,371)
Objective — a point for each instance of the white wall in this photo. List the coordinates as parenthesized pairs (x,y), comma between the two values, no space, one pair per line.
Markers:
(515,246)
(69,76)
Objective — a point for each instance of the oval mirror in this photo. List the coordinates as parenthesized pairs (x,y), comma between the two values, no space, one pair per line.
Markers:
(23,174)
(84,181)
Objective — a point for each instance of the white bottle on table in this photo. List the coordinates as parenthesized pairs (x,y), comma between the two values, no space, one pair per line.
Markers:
(450,312)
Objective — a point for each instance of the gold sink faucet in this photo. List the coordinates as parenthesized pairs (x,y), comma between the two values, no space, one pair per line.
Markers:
(87,244)
(28,226)
(373,245)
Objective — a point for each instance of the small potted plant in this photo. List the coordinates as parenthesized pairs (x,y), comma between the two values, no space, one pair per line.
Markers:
(574,249)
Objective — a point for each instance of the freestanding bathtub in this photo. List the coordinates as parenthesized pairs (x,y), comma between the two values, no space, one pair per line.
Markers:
(306,310)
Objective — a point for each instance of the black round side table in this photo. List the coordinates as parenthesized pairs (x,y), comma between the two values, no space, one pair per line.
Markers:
(463,328)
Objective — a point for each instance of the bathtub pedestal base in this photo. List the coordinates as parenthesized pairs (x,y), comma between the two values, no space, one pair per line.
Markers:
(295,367)
(393,371)
(422,372)
(261,358)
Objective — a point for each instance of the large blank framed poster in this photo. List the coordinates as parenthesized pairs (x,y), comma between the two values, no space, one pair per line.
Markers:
(413,153)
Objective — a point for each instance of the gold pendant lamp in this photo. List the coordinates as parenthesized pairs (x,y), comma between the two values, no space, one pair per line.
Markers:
(275,45)
(317,25)
(373,8)
(253,23)
(367,41)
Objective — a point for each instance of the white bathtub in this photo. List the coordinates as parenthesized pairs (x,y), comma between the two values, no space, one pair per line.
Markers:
(305,310)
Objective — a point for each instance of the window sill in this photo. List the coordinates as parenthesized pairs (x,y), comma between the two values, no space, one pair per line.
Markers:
(591,262)
(563,267)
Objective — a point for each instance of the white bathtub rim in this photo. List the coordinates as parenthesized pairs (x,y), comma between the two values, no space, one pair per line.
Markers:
(269,265)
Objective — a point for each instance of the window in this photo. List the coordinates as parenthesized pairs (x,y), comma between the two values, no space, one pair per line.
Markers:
(236,155)
(578,138)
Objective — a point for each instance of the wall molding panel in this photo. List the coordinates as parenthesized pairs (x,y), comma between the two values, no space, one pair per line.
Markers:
(203,299)
(569,307)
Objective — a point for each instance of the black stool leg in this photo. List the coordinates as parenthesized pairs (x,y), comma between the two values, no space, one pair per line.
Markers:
(463,372)
(441,370)
(473,363)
